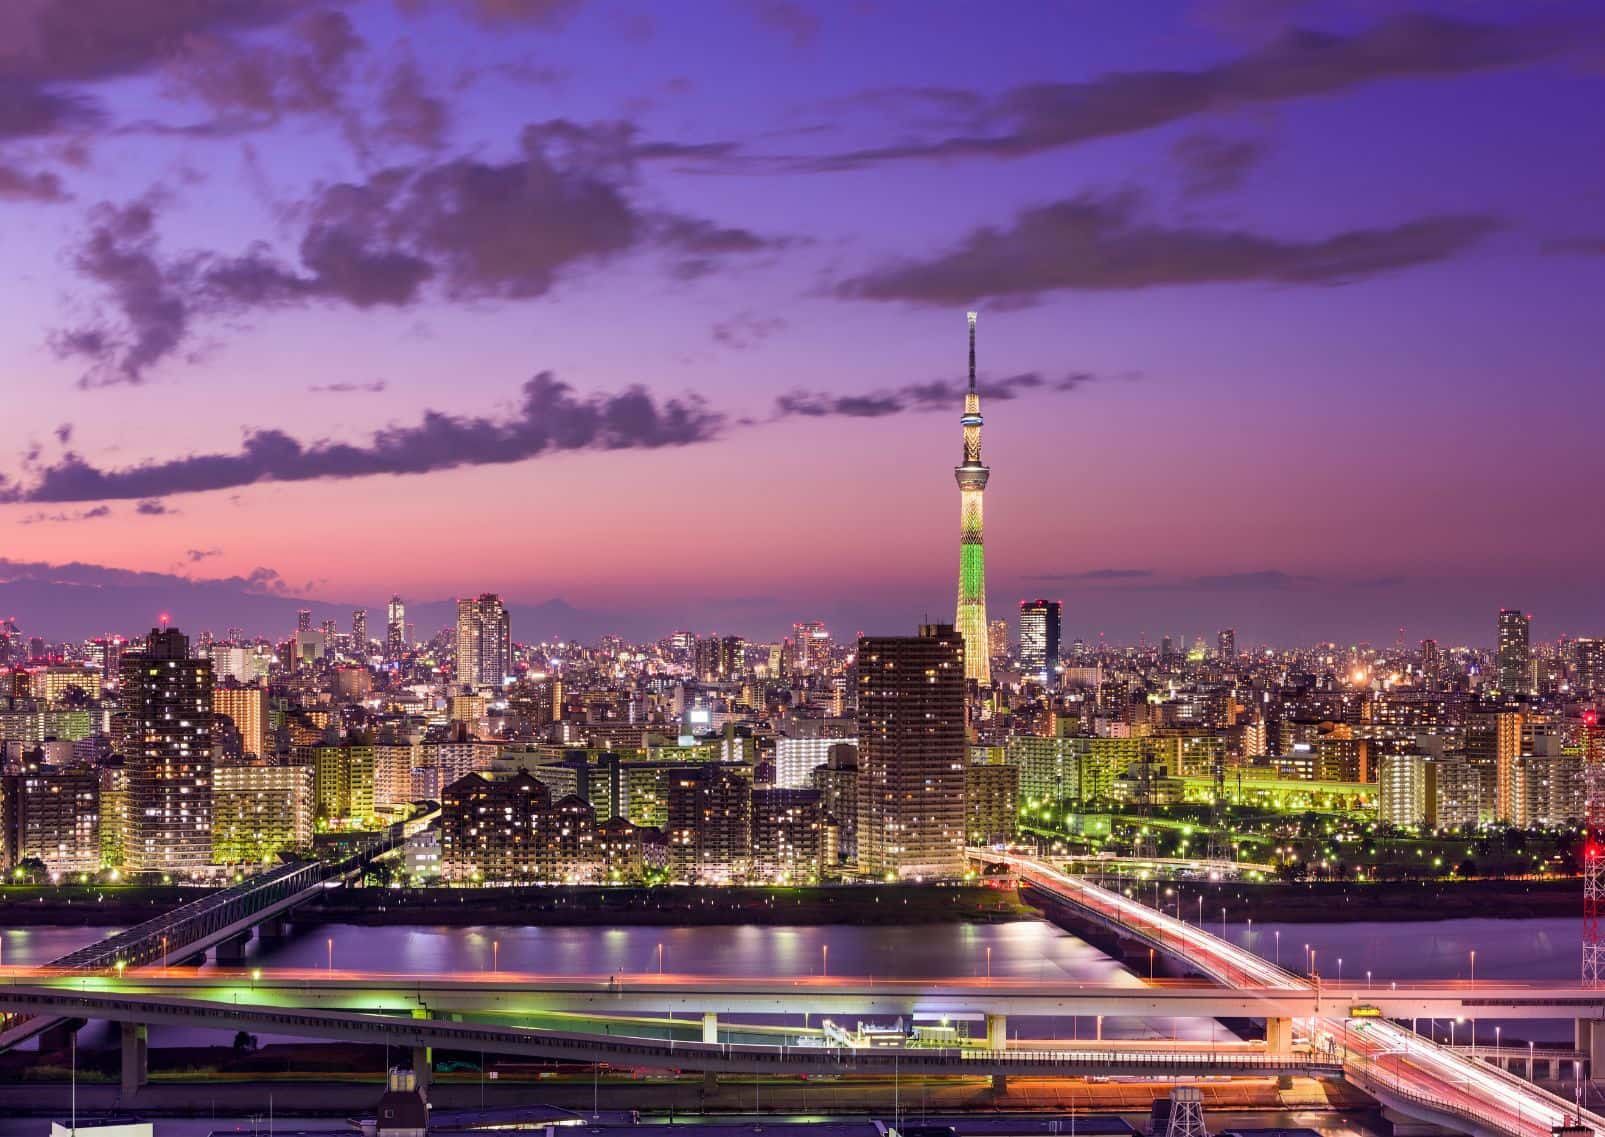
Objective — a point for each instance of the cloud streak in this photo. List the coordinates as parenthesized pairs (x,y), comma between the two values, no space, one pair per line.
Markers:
(1303,63)
(1101,242)
(550,417)
(938,394)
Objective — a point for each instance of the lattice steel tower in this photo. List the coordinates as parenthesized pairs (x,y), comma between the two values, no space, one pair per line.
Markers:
(972,475)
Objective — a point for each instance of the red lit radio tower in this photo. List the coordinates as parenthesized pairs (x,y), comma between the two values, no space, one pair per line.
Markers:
(1593,853)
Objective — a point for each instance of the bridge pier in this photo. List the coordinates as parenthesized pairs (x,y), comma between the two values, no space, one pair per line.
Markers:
(710,1027)
(997,1032)
(232,950)
(1278,1036)
(136,1057)
(1590,1038)
(274,927)
(423,1058)
(1000,1085)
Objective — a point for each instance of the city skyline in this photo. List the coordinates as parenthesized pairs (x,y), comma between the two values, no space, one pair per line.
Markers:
(1202,429)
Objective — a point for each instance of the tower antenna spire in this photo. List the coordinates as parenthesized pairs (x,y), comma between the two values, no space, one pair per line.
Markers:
(972,350)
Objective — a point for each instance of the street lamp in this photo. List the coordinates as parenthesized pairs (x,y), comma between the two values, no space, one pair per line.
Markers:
(164,953)
(330,943)
(1368,979)
(1278,947)
(1150,965)
(660,959)
(495,955)
(1340,970)
(989,963)
(824,959)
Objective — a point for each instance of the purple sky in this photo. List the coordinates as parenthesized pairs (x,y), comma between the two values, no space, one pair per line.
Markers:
(659,309)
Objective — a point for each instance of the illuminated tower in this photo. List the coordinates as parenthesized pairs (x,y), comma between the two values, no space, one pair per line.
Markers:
(972,475)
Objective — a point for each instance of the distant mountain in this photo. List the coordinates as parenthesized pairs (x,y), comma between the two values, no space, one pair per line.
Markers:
(75,601)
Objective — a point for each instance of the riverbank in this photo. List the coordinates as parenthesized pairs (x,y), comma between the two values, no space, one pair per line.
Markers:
(85,906)
(671,905)
(1340,902)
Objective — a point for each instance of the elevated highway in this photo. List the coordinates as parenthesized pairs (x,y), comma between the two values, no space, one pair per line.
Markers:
(223,920)
(512,993)
(1406,1072)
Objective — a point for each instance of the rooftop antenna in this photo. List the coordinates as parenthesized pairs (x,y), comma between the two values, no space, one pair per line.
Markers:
(971,315)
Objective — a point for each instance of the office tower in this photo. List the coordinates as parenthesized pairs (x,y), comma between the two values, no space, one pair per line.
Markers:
(1039,638)
(810,647)
(247,709)
(359,631)
(1431,662)
(303,620)
(972,476)
(1588,666)
(1226,645)
(1514,658)
(167,704)
(484,642)
(997,635)
(911,751)
(395,629)
(106,653)
(260,811)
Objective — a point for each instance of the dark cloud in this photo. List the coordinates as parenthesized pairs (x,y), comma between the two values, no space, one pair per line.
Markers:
(937,394)
(476,229)
(25,185)
(82,40)
(120,255)
(29,110)
(550,417)
(103,576)
(791,19)
(1301,63)
(195,556)
(374,387)
(746,329)
(254,84)
(152,507)
(1211,164)
(409,113)
(1099,242)
(1266,580)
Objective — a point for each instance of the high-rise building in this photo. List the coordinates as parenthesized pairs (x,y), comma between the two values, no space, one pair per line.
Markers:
(167,704)
(991,802)
(1039,638)
(53,815)
(810,647)
(1431,662)
(1515,668)
(1226,645)
(484,642)
(359,632)
(998,639)
(911,752)
(972,476)
(303,620)
(1588,665)
(247,709)
(395,629)
(259,811)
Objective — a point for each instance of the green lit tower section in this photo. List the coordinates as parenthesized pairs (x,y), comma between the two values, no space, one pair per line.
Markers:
(971,475)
